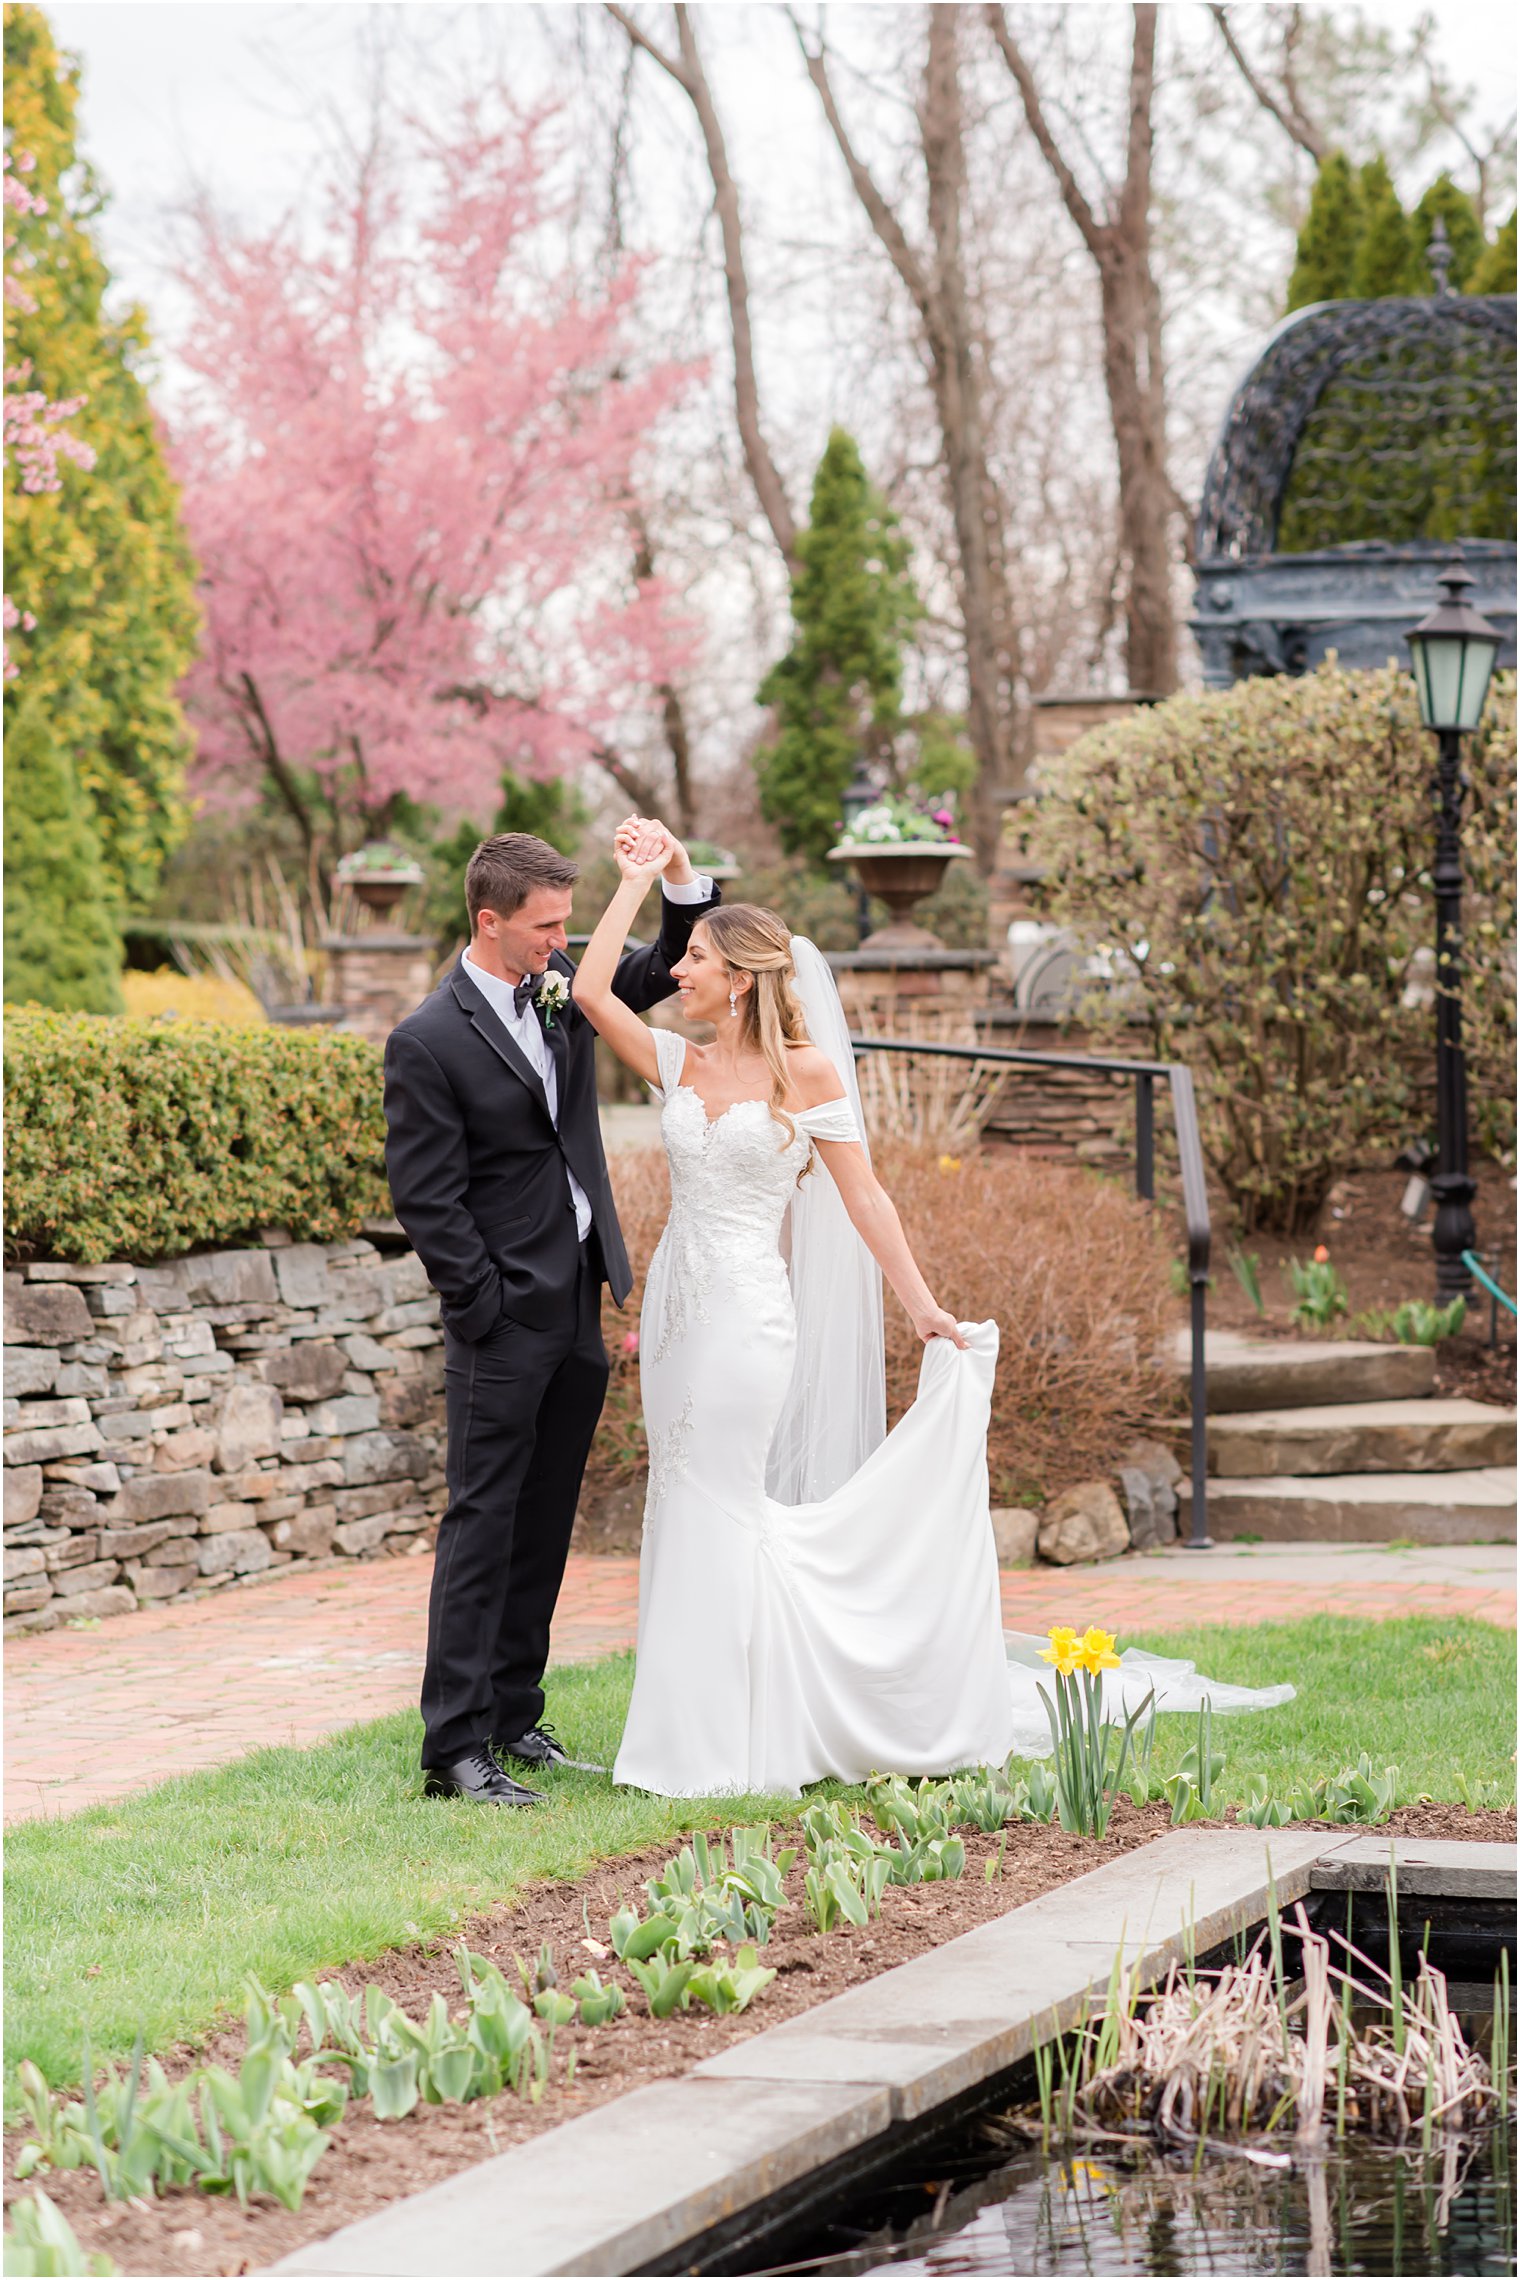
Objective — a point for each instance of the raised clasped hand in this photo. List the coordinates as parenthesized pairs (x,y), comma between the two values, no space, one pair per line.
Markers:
(934,1322)
(643,848)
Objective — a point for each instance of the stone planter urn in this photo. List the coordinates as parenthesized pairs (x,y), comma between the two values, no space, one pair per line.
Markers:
(379,876)
(902,873)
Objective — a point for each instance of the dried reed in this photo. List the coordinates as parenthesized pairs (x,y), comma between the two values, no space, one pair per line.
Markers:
(1234,2054)
(924,1099)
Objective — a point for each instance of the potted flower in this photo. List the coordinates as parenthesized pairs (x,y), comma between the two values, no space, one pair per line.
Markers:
(900,850)
(380,873)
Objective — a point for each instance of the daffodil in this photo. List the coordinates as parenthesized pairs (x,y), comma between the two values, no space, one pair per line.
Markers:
(949,1163)
(1095,1651)
(1065,1646)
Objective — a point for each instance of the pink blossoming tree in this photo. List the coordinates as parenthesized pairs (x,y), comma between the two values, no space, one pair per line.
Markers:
(35,438)
(408,463)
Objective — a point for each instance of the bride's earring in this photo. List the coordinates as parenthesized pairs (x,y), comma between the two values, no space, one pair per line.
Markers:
(733,1005)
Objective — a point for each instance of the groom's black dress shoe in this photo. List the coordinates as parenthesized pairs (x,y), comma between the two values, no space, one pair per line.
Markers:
(539,1748)
(477,1776)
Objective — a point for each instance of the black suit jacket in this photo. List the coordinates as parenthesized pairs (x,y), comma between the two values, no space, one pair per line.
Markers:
(476,1162)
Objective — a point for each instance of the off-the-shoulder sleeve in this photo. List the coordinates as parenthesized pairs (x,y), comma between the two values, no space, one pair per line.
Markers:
(670,1053)
(831,1120)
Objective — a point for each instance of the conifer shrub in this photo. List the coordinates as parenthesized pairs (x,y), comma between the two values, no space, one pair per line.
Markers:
(144,1139)
(62,948)
(1256,859)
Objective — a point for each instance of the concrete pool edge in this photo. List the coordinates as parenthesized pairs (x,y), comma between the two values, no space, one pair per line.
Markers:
(624,2187)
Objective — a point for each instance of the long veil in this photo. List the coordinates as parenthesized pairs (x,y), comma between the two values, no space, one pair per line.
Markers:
(835,1412)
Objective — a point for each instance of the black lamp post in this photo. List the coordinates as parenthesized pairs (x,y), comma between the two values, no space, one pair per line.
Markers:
(1453,652)
(859,794)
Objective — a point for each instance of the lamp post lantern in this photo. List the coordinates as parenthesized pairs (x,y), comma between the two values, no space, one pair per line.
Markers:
(1453,652)
(859,794)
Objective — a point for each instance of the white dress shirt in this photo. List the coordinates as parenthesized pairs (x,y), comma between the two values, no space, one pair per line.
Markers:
(526,1031)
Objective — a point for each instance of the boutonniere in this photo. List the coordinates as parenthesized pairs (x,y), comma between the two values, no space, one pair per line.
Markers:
(553,996)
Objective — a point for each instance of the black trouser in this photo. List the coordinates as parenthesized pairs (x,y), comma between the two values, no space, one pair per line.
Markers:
(522,1408)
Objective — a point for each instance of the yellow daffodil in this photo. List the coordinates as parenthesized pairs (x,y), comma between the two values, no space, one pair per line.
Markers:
(949,1163)
(1095,1651)
(1065,1646)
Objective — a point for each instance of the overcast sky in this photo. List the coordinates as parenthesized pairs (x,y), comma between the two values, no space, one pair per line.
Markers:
(223,90)
(224,93)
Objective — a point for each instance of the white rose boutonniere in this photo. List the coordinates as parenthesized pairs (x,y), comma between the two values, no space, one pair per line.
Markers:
(552,997)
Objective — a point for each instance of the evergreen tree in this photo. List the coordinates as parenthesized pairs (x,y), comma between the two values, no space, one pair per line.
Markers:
(1494,270)
(550,807)
(1328,241)
(102,563)
(1384,258)
(61,944)
(1464,235)
(837,693)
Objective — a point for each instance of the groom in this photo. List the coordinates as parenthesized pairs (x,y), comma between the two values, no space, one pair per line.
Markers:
(494,1153)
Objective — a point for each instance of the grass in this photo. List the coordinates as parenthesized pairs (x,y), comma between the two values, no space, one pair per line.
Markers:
(1433,1695)
(149,1913)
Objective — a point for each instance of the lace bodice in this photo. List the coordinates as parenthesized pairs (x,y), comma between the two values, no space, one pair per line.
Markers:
(731,1179)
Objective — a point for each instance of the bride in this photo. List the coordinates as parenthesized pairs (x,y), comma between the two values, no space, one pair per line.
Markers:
(816,1596)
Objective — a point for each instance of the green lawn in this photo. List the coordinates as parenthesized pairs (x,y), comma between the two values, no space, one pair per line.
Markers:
(149,1913)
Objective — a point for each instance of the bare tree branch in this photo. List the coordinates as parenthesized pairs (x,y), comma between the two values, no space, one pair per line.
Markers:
(936,281)
(688,73)
(1071,190)
(642,40)
(880,215)
(1287,109)
(672,711)
(1134,372)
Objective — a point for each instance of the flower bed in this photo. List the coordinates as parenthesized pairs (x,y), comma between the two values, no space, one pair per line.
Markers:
(370,2162)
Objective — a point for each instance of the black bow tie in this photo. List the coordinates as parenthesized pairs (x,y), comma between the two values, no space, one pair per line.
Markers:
(523,994)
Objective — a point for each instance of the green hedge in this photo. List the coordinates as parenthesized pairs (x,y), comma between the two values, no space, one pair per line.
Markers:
(142,1139)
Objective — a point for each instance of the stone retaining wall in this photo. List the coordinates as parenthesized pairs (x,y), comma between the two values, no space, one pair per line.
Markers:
(171,1428)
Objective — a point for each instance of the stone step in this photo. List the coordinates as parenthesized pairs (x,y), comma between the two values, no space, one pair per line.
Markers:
(1307,1373)
(1362,1437)
(1363,1508)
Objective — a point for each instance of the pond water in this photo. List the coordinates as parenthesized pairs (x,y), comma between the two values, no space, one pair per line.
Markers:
(978,2198)
(1118,2211)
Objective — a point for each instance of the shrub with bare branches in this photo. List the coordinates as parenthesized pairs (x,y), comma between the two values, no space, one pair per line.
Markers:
(1071,1268)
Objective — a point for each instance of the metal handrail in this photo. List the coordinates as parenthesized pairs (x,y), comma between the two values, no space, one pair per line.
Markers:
(1195,1198)
(1496,1296)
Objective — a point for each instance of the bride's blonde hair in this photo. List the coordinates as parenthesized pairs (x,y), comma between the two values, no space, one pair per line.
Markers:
(754,941)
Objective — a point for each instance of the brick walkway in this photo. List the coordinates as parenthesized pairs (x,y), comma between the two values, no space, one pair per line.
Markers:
(95,1714)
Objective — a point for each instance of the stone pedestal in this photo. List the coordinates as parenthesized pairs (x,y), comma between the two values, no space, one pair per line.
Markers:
(885,987)
(378,978)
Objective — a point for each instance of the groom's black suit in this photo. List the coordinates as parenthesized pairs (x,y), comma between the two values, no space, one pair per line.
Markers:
(477,1175)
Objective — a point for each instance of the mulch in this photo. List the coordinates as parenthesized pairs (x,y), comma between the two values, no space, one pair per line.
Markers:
(370,2163)
(1384,1259)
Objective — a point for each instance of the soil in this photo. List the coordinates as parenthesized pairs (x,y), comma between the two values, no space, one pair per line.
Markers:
(370,2163)
(1383,1258)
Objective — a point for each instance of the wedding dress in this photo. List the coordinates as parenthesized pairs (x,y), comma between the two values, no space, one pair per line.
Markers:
(814,1599)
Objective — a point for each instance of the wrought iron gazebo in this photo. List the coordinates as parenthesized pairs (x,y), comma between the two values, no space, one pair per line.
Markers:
(1367,436)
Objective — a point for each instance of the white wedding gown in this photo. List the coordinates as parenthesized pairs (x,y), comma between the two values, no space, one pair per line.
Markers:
(779,1644)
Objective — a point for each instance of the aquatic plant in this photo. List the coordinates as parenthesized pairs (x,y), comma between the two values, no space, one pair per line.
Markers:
(1240,2053)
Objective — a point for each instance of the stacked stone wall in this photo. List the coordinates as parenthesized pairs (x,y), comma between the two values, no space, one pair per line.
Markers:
(170,1429)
